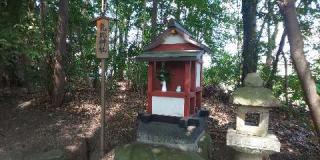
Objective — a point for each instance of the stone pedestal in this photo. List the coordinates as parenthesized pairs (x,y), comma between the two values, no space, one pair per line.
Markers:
(253,144)
(169,138)
(247,156)
(179,133)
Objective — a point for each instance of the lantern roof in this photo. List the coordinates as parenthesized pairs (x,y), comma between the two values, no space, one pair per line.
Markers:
(254,94)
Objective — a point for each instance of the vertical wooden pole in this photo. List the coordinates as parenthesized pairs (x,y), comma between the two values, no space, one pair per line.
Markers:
(102,118)
(187,87)
(201,88)
(150,86)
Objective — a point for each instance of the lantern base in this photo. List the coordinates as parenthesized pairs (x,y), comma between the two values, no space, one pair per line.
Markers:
(254,145)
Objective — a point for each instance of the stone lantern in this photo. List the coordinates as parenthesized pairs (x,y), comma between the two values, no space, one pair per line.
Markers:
(251,137)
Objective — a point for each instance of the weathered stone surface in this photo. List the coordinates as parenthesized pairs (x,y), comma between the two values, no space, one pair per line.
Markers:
(261,129)
(253,80)
(205,147)
(253,96)
(13,155)
(55,154)
(247,156)
(172,135)
(139,151)
(253,144)
(50,155)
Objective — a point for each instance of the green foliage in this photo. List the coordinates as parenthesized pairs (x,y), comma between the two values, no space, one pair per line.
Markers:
(27,46)
(136,72)
(294,89)
(224,71)
(163,74)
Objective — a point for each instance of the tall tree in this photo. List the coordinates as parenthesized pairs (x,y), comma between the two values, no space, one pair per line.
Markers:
(300,63)
(249,54)
(154,15)
(59,77)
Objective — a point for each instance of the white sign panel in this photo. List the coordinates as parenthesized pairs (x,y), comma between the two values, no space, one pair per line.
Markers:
(198,75)
(168,106)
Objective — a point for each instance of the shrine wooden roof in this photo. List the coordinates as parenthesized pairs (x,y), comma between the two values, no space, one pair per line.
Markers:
(179,30)
(171,56)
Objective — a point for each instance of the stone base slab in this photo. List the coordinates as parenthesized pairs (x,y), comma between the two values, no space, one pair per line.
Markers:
(174,135)
(253,144)
(247,156)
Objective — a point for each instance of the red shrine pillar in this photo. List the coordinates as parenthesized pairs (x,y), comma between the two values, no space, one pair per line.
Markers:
(187,87)
(150,86)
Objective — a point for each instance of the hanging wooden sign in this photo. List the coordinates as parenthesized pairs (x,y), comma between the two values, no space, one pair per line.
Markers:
(102,40)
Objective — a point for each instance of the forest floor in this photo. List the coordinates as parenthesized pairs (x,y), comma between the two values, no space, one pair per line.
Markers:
(29,125)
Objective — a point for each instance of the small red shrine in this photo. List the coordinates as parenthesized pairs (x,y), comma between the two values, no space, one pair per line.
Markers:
(174,72)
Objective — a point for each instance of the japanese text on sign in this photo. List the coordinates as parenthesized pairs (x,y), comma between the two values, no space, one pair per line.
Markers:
(102,40)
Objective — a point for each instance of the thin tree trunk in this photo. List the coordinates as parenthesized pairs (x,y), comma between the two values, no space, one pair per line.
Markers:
(270,40)
(300,63)
(178,12)
(58,70)
(47,57)
(154,15)
(249,54)
(42,19)
(116,27)
(144,21)
(285,78)
(261,30)
(274,70)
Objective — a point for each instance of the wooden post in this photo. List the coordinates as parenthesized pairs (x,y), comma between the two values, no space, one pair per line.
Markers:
(103,105)
(201,88)
(187,87)
(102,47)
(150,86)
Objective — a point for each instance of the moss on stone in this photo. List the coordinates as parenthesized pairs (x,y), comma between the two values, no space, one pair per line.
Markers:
(205,145)
(253,96)
(253,80)
(138,151)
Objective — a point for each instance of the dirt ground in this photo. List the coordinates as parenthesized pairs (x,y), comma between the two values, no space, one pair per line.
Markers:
(29,125)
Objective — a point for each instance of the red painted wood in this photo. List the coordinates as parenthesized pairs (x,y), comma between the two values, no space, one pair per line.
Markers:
(198,89)
(187,87)
(198,99)
(186,106)
(192,105)
(193,76)
(176,71)
(181,73)
(150,86)
(176,47)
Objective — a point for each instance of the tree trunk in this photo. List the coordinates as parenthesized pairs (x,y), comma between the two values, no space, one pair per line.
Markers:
(154,15)
(144,22)
(249,54)
(299,60)
(178,12)
(274,70)
(286,82)
(58,70)
(116,27)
